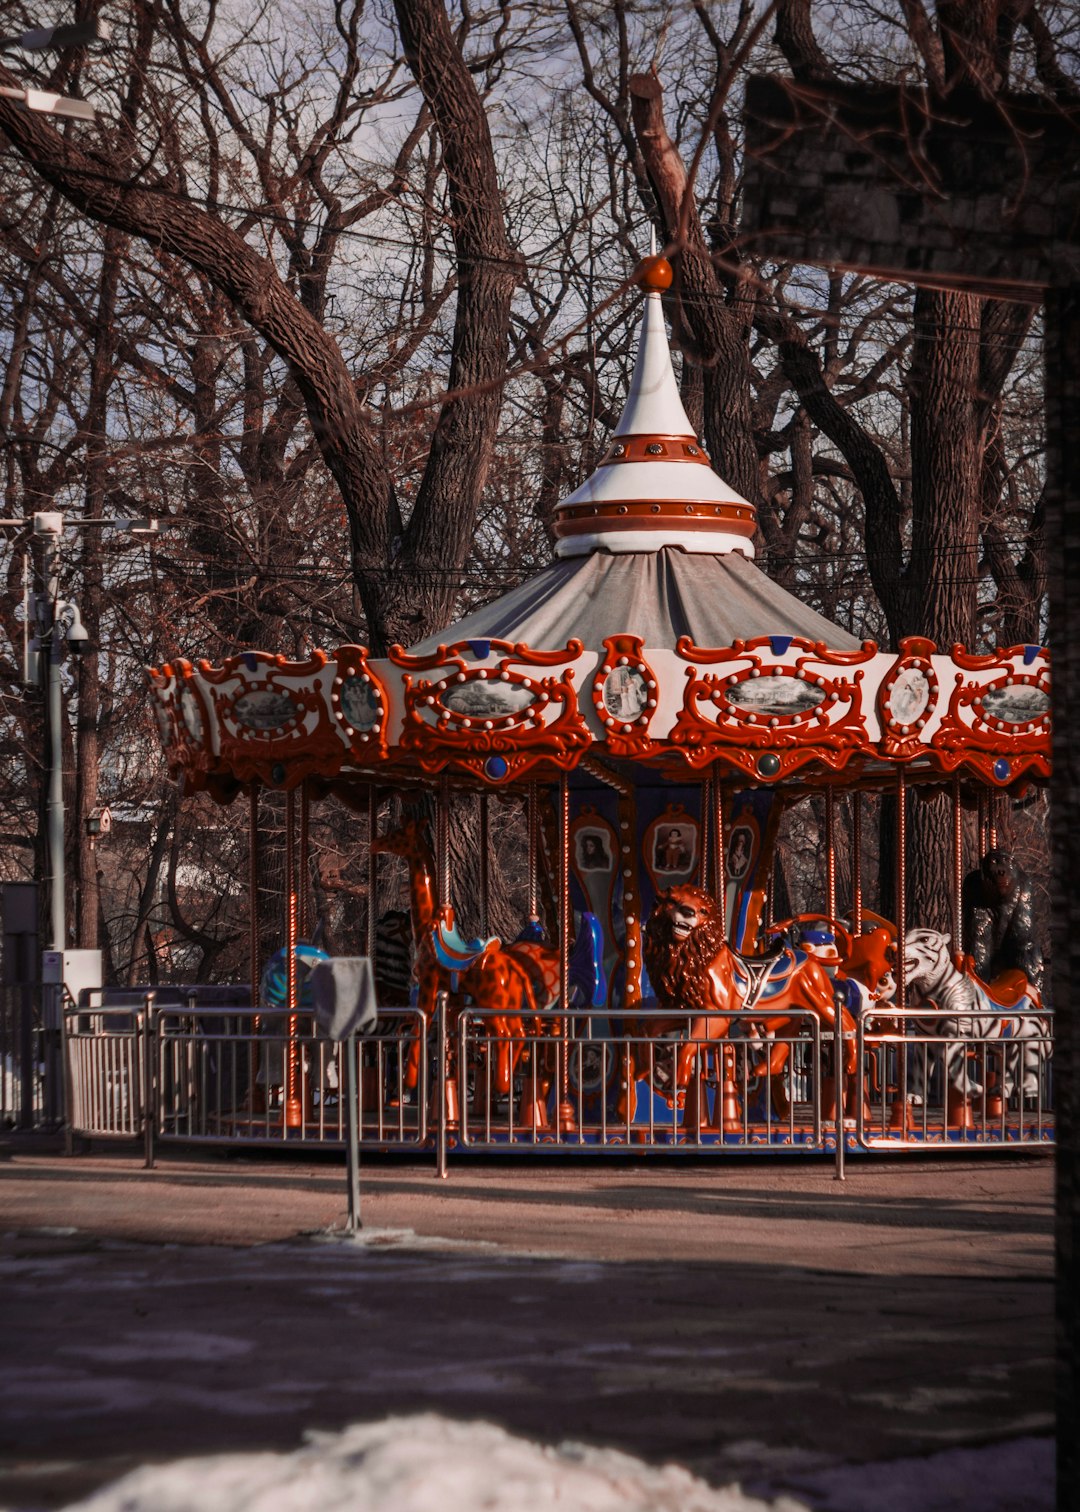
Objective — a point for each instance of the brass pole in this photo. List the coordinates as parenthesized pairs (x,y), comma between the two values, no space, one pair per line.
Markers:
(294,1112)
(305,864)
(443,840)
(983,847)
(567,1120)
(372,869)
(721,855)
(705,828)
(899,1115)
(254,1103)
(856,864)
(253,891)
(901,886)
(485,878)
(958,868)
(532,820)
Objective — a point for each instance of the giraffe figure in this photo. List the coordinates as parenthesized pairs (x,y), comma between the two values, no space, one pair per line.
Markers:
(521,981)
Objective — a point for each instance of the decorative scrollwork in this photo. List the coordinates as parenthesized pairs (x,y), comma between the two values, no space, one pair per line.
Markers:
(496,721)
(273,723)
(998,720)
(778,694)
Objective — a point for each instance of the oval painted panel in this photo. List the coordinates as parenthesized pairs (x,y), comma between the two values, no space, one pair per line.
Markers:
(775,695)
(487,699)
(191,713)
(1016,705)
(359,704)
(909,695)
(626,693)
(264,710)
(164,723)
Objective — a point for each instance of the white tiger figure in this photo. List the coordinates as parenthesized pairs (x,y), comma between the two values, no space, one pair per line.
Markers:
(932,977)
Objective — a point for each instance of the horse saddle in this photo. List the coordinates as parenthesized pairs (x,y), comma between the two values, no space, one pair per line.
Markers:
(1007,990)
(452,951)
(767,976)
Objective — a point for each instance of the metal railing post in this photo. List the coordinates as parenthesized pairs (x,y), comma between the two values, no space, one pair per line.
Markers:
(148,1030)
(440,1090)
(838,1067)
(352,1222)
(69,1086)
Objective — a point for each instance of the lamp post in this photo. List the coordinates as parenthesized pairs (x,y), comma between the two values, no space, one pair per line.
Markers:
(54,621)
(58,632)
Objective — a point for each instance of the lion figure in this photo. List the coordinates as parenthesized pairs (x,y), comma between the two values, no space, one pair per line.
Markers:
(683,937)
(698,977)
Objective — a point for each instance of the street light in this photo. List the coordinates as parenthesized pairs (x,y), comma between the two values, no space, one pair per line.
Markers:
(58,632)
(44,101)
(49,104)
(52,617)
(54,621)
(69,34)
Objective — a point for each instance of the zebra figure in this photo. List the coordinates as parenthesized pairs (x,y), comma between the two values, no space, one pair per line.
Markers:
(395,956)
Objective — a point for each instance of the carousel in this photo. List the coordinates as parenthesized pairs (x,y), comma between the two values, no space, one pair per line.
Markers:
(649,708)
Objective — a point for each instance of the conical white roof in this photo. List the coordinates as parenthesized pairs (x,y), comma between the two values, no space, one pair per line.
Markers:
(655,486)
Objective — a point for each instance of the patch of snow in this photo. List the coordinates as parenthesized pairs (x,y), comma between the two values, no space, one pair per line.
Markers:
(423,1463)
(398,1238)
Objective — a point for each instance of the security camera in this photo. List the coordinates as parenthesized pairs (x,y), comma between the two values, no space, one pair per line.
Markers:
(78,641)
(70,622)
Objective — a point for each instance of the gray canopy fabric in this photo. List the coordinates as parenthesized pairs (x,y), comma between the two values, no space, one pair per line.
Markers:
(658,595)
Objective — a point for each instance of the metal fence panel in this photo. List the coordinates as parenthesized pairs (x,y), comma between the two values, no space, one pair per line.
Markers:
(222,1076)
(953,1080)
(611,1086)
(106,1072)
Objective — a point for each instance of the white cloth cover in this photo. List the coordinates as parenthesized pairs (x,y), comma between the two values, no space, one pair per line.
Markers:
(343,996)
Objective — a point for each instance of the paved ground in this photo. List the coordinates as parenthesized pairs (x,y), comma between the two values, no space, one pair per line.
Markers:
(753,1321)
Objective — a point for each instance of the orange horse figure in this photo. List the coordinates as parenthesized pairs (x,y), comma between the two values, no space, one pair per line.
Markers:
(698,976)
(520,981)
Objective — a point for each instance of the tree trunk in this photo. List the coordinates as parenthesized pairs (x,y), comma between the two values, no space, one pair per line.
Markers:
(946,472)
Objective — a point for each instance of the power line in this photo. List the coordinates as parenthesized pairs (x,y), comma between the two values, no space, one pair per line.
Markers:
(267,216)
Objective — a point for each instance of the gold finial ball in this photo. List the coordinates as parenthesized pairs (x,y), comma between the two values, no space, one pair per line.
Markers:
(654,274)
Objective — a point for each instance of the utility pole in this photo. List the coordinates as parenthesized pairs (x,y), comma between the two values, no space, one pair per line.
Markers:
(58,632)
(54,621)
(58,628)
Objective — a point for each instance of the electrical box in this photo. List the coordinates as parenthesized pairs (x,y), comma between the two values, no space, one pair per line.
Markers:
(75,970)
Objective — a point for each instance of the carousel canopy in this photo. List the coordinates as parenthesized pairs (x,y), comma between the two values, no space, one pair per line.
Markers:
(663,593)
(652,640)
(654,542)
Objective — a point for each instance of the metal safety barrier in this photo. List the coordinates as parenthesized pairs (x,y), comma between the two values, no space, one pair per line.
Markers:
(609,1085)
(227,1077)
(592,1081)
(23,1059)
(956,1079)
(105,1060)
